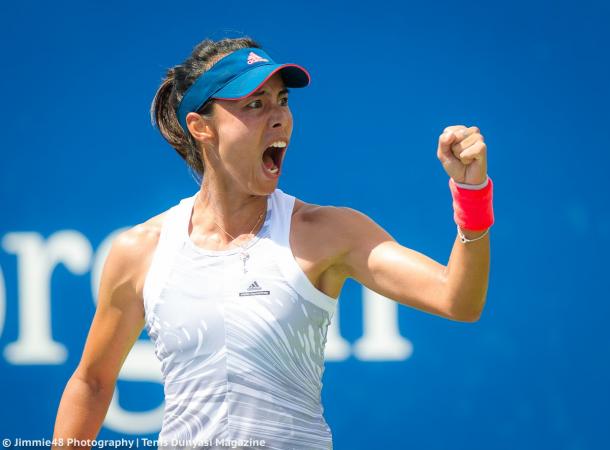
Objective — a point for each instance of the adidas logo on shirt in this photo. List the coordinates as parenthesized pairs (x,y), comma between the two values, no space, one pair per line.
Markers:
(254,289)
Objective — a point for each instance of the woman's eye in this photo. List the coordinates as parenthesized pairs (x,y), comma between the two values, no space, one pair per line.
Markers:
(255,102)
(258,103)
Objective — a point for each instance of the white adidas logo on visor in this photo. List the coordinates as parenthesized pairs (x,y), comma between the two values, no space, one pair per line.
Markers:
(254,58)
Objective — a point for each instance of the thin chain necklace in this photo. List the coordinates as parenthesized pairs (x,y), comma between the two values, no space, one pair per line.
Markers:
(243,254)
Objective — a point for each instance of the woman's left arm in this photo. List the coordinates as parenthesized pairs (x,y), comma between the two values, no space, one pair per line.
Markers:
(456,291)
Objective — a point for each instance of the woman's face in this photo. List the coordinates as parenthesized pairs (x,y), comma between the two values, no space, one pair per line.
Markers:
(245,128)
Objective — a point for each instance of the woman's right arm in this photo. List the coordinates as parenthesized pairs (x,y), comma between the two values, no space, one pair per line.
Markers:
(117,324)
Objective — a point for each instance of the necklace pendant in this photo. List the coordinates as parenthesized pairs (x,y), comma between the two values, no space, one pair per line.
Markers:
(244,256)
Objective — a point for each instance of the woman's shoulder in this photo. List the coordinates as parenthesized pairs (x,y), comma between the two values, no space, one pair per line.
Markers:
(322,222)
(145,234)
(317,214)
(139,239)
(132,250)
(329,222)
(143,237)
(320,232)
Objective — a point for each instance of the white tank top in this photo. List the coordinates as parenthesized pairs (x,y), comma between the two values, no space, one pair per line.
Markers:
(242,354)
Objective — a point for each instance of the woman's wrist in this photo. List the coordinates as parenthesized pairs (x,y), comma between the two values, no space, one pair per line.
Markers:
(472,234)
(473,186)
(472,209)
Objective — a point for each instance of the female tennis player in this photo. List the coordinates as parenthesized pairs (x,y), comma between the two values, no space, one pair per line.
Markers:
(236,285)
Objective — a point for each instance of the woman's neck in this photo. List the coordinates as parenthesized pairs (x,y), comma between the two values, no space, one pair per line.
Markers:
(224,213)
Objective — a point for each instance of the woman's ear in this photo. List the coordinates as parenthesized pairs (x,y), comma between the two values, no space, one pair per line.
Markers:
(200,128)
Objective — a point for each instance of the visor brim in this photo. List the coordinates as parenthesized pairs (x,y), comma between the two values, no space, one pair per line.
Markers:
(249,82)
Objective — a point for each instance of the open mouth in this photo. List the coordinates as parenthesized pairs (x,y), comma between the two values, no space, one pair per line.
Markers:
(272,159)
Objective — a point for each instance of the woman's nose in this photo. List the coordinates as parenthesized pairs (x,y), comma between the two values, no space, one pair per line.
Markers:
(280,116)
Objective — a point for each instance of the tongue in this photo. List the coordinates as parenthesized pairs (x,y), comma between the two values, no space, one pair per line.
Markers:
(268,161)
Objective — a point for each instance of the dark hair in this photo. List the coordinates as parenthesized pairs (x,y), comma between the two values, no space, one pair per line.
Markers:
(177,80)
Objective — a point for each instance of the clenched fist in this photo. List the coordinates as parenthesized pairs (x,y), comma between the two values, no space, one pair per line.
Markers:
(463,153)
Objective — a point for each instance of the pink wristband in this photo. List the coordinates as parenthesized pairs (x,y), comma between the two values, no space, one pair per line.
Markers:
(472,209)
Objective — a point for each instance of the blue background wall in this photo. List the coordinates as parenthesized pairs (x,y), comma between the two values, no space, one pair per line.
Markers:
(78,153)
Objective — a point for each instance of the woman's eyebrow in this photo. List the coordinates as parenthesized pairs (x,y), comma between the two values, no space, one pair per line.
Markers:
(263,92)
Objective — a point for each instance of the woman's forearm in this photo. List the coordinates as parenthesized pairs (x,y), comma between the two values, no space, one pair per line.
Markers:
(81,411)
(468,275)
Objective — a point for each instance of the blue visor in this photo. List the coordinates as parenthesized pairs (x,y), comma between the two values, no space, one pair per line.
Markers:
(236,76)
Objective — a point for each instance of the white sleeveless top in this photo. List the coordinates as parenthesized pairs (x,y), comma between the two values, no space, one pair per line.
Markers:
(242,354)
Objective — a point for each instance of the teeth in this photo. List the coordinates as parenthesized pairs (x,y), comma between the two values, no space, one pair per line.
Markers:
(276,144)
(273,169)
